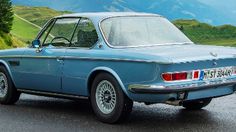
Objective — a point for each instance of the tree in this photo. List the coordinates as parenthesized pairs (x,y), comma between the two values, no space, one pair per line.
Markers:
(6,15)
(181,28)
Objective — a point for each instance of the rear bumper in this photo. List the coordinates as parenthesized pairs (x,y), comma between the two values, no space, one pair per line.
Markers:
(162,89)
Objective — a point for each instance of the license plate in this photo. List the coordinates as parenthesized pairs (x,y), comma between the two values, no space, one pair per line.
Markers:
(218,73)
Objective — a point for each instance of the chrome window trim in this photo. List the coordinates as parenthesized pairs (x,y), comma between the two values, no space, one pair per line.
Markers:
(53,20)
(43,28)
(120,47)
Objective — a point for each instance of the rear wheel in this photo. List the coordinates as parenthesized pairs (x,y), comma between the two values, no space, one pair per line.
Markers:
(108,101)
(8,93)
(196,104)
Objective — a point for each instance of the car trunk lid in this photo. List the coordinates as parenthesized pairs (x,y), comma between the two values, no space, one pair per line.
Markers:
(188,53)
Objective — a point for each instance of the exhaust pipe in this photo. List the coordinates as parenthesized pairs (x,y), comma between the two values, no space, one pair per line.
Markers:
(174,102)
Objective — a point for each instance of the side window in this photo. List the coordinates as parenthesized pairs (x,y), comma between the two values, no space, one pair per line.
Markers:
(85,34)
(45,33)
(60,33)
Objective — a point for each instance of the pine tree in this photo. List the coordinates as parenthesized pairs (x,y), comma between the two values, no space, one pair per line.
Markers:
(6,16)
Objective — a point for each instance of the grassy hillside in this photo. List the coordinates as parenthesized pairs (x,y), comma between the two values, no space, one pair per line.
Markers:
(9,41)
(24,30)
(206,34)
(37,15)
(28,20)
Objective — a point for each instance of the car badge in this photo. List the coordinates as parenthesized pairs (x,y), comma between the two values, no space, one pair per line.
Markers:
(213,54)
(215,63)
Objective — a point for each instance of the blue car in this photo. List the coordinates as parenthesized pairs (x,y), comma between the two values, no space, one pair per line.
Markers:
(114,59)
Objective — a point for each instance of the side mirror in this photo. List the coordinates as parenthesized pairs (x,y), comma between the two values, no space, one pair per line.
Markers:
(36,44)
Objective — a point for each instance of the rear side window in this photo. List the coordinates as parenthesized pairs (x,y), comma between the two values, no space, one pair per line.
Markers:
(85,34)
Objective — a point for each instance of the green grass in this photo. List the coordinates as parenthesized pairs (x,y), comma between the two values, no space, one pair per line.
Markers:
(9,41)
(203,33)
(37,15)
(26,31)
(5,41)
(23,30)
(222,42)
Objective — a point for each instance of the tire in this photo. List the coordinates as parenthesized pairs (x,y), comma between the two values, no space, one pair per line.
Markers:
(196,104)
(8,92)
(109,103)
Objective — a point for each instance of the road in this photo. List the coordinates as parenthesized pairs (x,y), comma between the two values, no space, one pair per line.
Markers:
(41,114)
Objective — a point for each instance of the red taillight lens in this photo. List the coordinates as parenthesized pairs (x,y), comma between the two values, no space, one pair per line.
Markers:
(196,74)
(175,76)
(179,76)
(167,77)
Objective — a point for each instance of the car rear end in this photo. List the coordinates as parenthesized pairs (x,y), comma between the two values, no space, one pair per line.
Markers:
(186,71)
(190,79)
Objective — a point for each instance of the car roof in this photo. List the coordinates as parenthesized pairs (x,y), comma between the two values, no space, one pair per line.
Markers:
(103,15)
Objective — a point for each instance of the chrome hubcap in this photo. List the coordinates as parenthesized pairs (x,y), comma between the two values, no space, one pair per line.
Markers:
(3,85)
(105,97)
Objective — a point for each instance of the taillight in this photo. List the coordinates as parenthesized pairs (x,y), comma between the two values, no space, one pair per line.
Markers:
(196,74)
(167,77)
(181,76)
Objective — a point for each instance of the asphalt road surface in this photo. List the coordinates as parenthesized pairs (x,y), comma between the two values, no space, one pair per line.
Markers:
(41,114)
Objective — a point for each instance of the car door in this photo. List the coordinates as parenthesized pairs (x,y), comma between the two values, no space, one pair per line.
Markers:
(75,70)
(42,67)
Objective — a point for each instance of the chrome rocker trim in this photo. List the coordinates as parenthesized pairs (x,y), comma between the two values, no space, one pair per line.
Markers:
(161,89)
(51,94)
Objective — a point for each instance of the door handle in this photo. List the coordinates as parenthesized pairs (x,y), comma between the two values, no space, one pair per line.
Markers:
(60,60)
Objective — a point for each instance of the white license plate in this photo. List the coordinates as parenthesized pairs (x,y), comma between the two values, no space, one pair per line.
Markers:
(218,72)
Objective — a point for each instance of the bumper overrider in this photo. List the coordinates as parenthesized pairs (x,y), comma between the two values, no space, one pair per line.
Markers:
(183,87)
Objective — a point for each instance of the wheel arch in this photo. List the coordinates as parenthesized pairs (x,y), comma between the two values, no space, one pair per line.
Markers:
(4,64)
(98,70)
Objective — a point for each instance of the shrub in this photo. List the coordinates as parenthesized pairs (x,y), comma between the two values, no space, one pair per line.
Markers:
(6,15)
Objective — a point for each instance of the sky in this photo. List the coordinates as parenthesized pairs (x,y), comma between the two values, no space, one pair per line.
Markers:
(223,4)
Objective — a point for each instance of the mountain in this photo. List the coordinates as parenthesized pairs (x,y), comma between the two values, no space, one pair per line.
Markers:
(210,11)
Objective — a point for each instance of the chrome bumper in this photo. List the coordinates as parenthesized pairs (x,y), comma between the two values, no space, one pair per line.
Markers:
(136,88)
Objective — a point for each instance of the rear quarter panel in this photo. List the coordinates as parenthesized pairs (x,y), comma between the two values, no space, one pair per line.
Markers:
(77,70)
